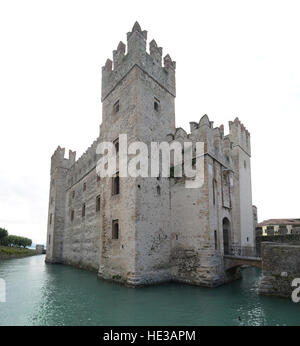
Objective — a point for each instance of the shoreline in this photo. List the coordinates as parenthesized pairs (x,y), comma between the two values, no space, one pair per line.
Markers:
(7,252)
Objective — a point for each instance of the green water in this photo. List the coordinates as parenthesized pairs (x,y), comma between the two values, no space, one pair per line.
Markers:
(40,294)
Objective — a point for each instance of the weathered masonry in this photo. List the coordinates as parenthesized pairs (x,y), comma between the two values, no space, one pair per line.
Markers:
(148,230)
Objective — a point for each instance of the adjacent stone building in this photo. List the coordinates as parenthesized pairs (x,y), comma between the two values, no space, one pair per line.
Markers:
(278,227)
(141,231)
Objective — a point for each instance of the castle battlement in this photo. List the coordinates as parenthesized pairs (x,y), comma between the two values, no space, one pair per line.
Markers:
(58,159)
(151,63)
(239,135)
(85,163)
(215,143)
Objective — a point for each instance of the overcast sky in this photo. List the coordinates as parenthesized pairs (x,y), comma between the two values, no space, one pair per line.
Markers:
(234,58)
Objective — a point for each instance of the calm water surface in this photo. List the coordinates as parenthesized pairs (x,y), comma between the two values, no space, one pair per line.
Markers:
(40,294)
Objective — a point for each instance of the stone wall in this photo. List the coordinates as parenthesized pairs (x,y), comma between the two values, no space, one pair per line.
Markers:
(280,266)
(293,239)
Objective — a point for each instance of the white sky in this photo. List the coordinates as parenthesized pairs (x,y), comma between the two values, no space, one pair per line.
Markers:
(234,58)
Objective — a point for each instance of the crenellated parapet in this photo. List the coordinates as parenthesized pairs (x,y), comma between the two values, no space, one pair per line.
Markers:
(58,159)
(86,162)
(239,135)
(216,144)
(151,63)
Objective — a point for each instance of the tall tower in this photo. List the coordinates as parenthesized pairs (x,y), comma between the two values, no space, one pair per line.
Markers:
(243,211)
(137,100)
(57,203)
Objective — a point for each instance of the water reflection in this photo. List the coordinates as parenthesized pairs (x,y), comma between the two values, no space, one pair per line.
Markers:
(40,294)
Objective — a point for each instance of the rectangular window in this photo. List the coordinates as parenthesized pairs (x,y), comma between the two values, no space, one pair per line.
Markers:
(115,229)
(72,215)
(116,184)
(156,104)
(83,210)
(49,239)
(50,221)
(98,200)
(116,107)
(84,186)
(73,194)
(98,178)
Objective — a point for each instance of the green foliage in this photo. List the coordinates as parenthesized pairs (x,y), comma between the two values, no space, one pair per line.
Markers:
(13,240)
(3,235)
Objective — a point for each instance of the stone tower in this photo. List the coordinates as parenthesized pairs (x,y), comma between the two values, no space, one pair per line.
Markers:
(57,200)
(241,154)
(138,100)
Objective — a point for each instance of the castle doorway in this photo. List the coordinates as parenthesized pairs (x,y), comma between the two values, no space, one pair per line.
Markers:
(226,235)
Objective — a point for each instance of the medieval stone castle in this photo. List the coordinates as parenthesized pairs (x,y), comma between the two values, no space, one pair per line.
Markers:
(141,231)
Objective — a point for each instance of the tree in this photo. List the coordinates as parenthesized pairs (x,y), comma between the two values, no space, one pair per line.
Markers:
(3,235)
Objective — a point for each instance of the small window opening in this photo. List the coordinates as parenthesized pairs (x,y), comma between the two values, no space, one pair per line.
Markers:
(83,210)
(116,145)
(72,214)
(158,189)
(116,184)
(216,240)
(98,178)
(50,219)
(156,104)
(115,229)
(116,106)
(73,194)
(98,200)
(84,186)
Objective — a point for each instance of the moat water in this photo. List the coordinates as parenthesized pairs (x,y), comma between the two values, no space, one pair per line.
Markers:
(41,294)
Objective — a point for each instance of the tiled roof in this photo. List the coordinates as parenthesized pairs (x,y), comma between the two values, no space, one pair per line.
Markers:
(270,222)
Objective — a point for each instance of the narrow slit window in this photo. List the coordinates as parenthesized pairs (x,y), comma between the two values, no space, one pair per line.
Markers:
(158,189)
(72,215)
(116,184)
(98,203)
(216,240)
(116,106)
(156,104)
(115,229)
(84,186)
(116,145)
(83,210)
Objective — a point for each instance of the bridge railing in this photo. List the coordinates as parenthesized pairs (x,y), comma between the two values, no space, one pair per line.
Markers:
(242,251)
